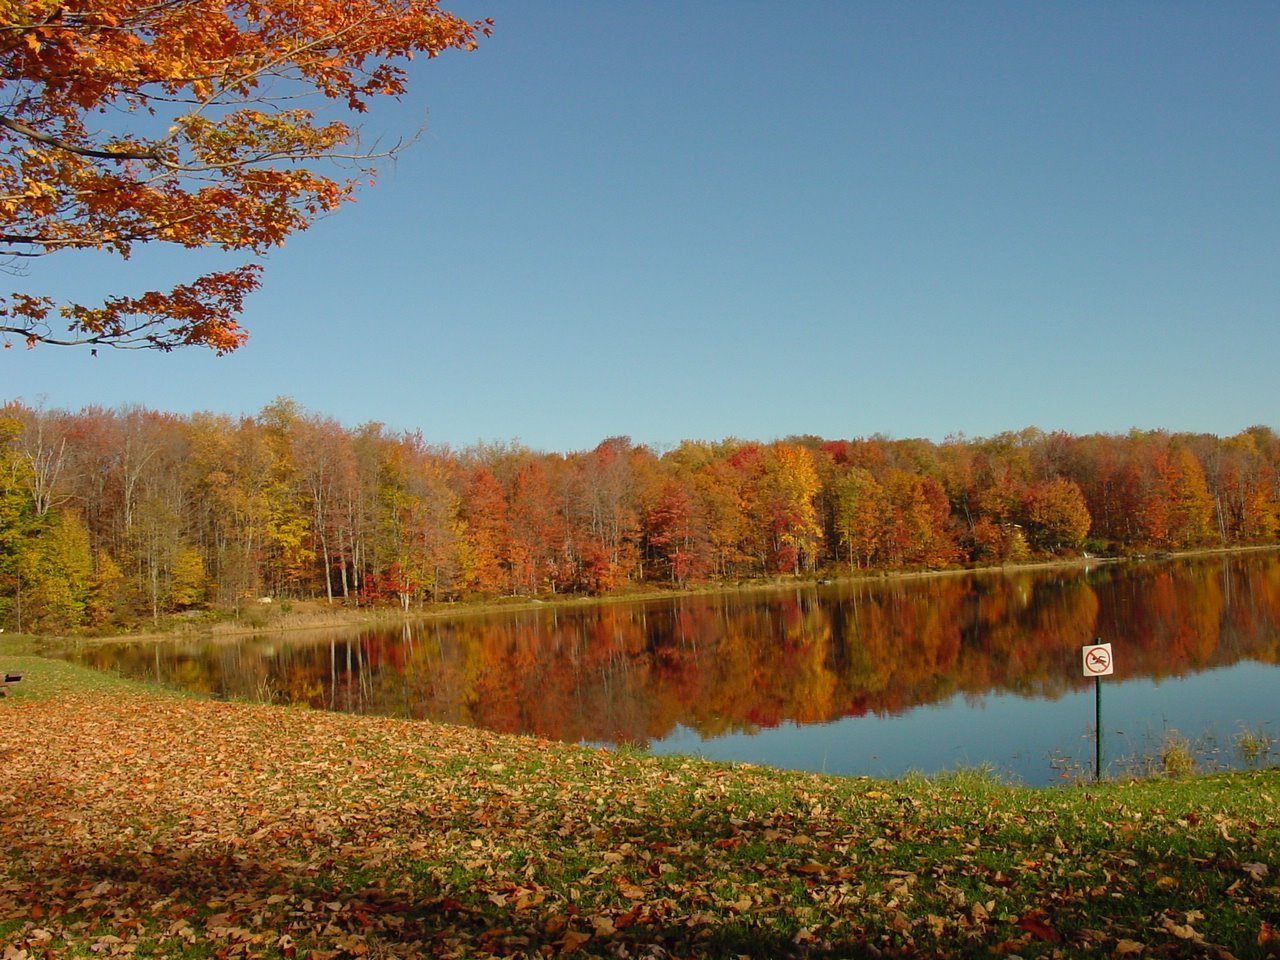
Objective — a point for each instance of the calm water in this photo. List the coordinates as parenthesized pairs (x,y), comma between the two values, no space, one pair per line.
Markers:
(878,678)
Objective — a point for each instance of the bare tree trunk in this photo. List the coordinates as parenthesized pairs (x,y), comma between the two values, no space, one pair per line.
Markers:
(328,569)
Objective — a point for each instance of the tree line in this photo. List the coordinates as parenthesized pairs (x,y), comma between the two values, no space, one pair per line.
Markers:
(112,517)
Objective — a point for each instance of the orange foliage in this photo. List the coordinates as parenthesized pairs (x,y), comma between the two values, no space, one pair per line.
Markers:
(210,142)
(291,504)
(1059,514)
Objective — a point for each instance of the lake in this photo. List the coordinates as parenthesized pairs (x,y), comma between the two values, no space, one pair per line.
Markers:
(871,677)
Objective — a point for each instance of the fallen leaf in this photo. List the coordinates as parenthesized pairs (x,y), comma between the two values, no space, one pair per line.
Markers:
(1182,931)
(812,868)
(1267,935)
(572,940)
(603,927)
(1033,925)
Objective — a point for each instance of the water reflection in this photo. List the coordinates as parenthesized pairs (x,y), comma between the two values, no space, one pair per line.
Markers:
(867,677)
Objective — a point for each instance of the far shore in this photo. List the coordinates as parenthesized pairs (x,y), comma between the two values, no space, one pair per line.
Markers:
(300,615)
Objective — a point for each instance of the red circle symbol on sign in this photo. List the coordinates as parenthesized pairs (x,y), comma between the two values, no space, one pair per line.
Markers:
(1098,661)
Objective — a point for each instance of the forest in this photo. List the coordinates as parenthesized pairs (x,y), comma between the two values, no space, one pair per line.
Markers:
(114,518)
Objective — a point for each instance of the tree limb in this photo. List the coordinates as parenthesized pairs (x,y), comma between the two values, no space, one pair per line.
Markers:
(31,133)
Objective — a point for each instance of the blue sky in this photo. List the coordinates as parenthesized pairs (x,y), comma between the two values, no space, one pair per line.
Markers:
(701,220)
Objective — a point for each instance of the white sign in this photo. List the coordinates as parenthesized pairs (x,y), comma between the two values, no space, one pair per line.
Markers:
(1097,660)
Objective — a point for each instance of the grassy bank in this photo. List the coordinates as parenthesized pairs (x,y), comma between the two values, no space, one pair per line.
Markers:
(140,823)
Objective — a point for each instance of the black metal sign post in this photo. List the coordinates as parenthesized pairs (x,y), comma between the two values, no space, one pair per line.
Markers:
(1097,726)
(1097,664)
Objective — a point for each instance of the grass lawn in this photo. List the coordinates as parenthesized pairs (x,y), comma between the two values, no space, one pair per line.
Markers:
(140,823)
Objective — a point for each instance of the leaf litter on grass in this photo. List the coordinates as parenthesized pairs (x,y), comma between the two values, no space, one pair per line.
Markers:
(138,825)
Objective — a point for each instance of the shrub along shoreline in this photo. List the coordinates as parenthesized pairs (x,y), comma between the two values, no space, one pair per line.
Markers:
(144,823)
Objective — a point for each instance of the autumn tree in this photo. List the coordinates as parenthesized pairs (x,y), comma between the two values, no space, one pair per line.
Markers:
(1192,516)
(327,469)
(288,540)
(719,491)
(484,503)
(1057,514)
(790,486)
(1098,466)
(916,531)
(1176,507)
(224,512)
(420,537)
(999,542)
(677,535)
(197,123)
(1259,513)
(604,514)
(536,530)
(745,473)
(860,508)
(44,446)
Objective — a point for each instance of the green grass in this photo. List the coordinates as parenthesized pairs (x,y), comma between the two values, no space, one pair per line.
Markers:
(43,677)
(136,822)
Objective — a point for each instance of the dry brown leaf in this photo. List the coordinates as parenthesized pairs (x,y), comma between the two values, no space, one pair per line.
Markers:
(572,940)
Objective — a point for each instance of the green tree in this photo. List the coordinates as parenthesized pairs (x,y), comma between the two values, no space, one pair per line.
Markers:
(189,581)
(107,604)
(56,571)
(17,516)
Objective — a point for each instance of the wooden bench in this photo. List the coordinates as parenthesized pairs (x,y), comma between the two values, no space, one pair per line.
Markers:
(8,679)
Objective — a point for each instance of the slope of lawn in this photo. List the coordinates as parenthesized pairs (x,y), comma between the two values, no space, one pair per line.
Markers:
(139,823)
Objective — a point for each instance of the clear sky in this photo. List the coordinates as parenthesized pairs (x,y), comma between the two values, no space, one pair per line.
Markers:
(726,218)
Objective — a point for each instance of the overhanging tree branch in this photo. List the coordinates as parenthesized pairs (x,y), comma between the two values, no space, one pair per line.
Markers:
(206,153)
(119,156)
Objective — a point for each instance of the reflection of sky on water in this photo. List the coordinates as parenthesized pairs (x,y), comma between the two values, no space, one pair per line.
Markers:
(1018,736)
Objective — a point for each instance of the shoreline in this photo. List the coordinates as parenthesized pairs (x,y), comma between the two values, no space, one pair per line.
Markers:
(320,615)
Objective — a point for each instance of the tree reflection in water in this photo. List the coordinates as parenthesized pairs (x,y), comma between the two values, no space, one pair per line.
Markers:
(990,651)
